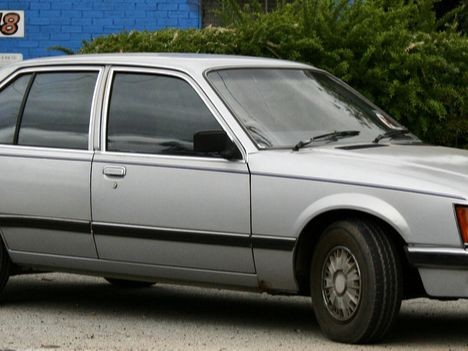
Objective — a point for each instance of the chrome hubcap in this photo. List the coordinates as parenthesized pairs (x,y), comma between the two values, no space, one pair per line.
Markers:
(341,283)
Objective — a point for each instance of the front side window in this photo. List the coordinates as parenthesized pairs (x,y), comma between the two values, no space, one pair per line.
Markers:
(155,114)
(11,98)
(58,110)
(280,107)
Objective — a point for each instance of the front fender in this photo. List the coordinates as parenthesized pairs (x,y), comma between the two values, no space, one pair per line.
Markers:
(356,202)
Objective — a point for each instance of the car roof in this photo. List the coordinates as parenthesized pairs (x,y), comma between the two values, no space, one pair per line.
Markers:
(184,62)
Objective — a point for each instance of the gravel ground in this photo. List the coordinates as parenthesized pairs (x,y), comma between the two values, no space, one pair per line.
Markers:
(70,312)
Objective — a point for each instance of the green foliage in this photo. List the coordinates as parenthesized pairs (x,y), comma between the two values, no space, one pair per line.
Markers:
(393,51)
(459,15)
(61,49)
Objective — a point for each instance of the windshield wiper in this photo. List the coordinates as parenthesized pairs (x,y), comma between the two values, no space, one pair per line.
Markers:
(394,133)
(329,136)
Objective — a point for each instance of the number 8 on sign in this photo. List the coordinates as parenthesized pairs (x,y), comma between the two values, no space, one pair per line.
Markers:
(9,23)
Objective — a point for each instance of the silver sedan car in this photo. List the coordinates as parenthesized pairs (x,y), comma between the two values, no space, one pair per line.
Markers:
(234,172)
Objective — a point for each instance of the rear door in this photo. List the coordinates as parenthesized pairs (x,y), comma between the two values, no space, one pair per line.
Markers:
(155,200)
(45,157)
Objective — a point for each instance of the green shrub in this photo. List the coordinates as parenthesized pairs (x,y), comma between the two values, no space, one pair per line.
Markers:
(393,51)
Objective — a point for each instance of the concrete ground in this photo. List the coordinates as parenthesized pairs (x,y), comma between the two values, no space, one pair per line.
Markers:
(70,312)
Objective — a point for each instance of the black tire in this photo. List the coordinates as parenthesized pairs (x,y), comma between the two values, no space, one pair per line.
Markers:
(5,265)
(351,254)
(123,283)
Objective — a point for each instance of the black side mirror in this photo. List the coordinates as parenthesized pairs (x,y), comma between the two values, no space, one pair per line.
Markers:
(215,142)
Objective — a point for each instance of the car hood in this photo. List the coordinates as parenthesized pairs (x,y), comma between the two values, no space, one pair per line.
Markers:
(413,167)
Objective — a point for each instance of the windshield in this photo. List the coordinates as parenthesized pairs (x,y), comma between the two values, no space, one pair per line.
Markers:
(280,107)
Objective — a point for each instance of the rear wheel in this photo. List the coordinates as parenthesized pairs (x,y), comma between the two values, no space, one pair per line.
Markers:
(4,266)
(355,282)
(123,283)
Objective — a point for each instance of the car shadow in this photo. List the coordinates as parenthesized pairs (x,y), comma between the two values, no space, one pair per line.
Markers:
(162,302)
(424,323)
(441,326)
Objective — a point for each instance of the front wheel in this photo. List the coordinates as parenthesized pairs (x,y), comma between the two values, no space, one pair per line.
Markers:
(355,282)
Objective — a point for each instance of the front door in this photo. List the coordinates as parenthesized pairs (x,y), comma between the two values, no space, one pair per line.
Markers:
(154,199)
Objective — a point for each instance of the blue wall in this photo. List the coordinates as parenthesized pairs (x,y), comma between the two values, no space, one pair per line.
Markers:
(67,23)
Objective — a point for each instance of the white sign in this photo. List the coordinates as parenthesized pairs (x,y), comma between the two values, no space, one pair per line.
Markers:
(11,24)
(6,59)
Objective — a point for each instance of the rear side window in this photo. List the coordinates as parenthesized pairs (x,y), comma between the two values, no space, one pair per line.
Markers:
(155,114)
(58,109)
(11,98)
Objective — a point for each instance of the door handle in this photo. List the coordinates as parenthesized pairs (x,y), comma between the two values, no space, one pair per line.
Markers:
(114,171)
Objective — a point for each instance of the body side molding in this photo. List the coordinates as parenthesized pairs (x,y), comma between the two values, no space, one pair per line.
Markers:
(151,233)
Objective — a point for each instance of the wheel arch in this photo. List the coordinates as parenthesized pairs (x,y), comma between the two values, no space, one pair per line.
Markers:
(310,233)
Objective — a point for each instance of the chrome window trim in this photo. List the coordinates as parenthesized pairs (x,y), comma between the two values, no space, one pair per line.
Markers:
(176,74)
(30,152)
(97,99)
(96,142)
(168,157)
(151,163)
(57,69)
(39,148)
